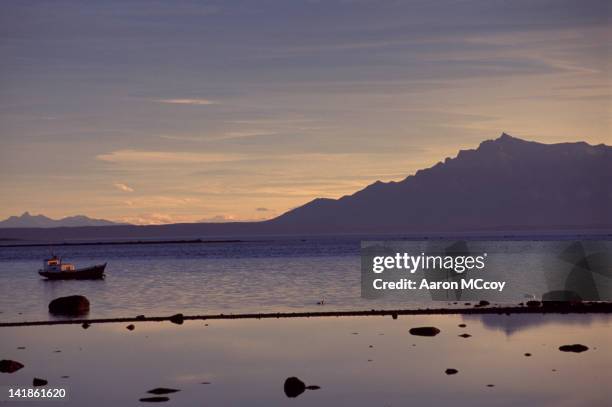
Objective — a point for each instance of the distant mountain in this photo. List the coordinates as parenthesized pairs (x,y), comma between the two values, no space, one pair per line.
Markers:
(504,184)
(40,221)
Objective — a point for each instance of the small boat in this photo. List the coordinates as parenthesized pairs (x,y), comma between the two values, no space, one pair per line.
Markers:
(55,269)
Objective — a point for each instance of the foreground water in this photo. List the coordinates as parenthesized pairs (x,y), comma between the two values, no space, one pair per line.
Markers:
(258,275)
(358,361)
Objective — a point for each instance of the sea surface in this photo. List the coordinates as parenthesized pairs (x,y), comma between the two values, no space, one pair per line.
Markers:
(507,360)
(356,361)
(249,275)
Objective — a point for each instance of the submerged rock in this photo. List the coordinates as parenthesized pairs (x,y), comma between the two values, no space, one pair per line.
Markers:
(71,305)
(424,331)
(162,390)
(9,366)
(156,399)
(576,348)
(39,382)
(451,371)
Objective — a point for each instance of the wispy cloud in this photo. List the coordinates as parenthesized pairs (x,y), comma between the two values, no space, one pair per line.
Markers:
(123,187)
(192,102)
(136,156)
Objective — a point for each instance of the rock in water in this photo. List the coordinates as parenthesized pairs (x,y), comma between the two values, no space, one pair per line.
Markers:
(154,399)
(162,390)
(177,319)
(85,325)
(130,327)
(534,304)
(9,366)
(465,335)
(576,348)
(425,331)
(451,371)
(71,305)
(294,387)
(39,382)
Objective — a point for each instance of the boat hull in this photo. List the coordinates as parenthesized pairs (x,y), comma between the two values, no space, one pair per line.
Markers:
(89,273)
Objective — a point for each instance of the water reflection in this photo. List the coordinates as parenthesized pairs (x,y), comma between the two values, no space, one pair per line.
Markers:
(361,361)
(511,324)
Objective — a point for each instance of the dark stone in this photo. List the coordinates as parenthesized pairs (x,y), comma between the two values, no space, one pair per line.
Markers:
(9,366)
(39,382)
(451,371)
(313,387)
(85,325)
(425,331)
(534,304)
(205,383)
(71,305)
(21,347)
(462,325)
(140,317)
(162,390)
(576,348)
(490,385)
(483,303)
(394,316)
(294,387)
(465,335)
(527,354)
(130,327)
(177,319)
(156,399)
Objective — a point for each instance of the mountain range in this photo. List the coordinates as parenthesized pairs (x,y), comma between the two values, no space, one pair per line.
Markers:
(505,184)
(41,221)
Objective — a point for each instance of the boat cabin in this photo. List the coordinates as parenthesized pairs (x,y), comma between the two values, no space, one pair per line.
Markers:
(55,265)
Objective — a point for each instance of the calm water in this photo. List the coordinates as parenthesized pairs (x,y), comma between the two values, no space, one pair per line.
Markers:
(247,362)
(358,361)
(251,276)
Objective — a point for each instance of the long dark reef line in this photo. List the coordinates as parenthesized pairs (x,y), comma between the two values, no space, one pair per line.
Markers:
(535,307)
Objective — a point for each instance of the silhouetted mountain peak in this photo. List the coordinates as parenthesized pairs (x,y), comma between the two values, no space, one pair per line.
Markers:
(27,220)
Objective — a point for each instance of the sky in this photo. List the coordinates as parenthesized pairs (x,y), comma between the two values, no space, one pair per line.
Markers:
(158,112)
